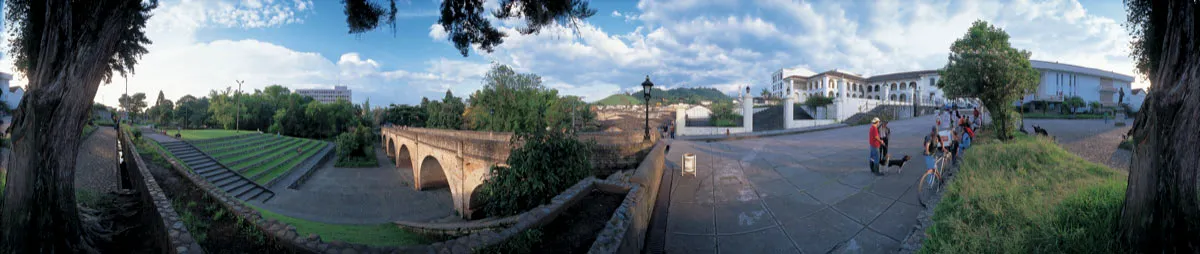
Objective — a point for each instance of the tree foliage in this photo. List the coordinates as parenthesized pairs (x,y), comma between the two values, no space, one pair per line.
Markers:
(1070,104)
(445,114)
(464,20)
(546,164)
(405,115)
(817,101)
(191,112)
(133,104)
(983,64)
(517,102)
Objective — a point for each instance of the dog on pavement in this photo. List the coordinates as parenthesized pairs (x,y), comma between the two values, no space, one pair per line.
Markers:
(899,164)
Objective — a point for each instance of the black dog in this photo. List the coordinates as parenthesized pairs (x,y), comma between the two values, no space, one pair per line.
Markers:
(899,164)
(1040,131)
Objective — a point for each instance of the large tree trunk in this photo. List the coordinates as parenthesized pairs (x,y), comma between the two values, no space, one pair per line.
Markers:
(40,214)
(1161,211)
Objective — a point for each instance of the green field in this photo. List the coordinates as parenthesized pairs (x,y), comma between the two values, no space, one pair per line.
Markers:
(1027,195)
(385,234)
(207,133)
(619,100)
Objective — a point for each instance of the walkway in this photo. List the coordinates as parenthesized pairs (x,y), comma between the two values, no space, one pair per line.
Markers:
(362,196)
(809,193)
(1094,140)
(96,163)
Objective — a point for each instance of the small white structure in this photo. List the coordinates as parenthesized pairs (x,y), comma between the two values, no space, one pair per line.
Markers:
(698,112)
(1060,81)
(11,95)
(689,164)
(681,128)
(1136,98)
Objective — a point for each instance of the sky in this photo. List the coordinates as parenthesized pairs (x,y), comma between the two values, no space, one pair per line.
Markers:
(204,45)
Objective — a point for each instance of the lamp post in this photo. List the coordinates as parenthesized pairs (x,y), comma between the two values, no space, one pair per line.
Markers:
(237,121)
(646,85)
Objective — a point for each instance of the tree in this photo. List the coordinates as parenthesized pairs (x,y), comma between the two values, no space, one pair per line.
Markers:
(1072,103)
(191,112)
(446,114)
(405,115)
(464,22)
(766,94)
(510,102)
(982,64)
(64,49)
(1161,213)
(1096,107)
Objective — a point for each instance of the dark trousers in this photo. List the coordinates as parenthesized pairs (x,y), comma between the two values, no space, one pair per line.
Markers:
(883,151)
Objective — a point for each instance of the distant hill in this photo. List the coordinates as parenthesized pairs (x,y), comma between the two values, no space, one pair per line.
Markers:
(684,95)
(619,99)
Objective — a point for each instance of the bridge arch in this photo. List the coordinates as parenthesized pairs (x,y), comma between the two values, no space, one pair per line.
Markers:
(404,158)
(431,174)
(389,146)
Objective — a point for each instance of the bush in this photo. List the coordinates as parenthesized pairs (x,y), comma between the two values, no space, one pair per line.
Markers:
(137,133)
(545,165)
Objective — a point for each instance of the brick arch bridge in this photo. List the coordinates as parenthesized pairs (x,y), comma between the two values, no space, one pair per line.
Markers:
(460,160)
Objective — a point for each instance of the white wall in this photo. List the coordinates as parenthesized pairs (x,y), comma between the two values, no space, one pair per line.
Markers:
(810,123)
(704,131)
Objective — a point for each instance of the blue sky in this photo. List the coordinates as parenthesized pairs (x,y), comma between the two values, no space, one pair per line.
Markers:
(201,45)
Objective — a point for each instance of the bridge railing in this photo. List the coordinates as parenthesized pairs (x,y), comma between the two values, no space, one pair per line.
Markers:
(614,149)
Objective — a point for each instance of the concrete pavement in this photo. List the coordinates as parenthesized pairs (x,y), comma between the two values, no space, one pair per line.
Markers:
(805,193)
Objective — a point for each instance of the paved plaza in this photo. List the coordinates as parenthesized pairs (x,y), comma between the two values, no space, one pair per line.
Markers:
(362,196)
(810,193)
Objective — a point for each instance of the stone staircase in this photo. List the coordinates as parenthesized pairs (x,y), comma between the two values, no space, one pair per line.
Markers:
(218,175)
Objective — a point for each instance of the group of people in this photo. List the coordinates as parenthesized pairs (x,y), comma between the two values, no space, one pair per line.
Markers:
(962,131)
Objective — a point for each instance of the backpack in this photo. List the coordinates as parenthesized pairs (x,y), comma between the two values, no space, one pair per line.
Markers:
(970,132)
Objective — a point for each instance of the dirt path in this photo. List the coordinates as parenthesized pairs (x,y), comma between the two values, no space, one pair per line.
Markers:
(1102,148)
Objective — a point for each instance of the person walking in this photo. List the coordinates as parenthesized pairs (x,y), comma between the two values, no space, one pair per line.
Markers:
(875,141)
(884,133)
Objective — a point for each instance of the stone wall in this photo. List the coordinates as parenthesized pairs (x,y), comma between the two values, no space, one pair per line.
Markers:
(635,214)
(175,237)
(279,232)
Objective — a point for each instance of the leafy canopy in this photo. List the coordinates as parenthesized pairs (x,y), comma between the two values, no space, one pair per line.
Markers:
(984,65)
(464,20)
(28,28)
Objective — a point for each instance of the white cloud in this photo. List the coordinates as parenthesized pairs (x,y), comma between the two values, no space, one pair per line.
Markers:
(616,13)
(437,32)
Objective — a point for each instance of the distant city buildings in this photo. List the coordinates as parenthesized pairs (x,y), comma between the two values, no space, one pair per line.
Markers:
(326,95)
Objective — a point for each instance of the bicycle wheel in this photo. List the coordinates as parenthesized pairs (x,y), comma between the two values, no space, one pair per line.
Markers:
(927,187)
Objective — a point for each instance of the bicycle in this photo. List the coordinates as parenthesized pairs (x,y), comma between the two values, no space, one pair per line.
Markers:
(931,182)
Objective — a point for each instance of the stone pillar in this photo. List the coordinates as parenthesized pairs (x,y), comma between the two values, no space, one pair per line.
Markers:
(680,120)
(787,110)
(747,111)
(841,87)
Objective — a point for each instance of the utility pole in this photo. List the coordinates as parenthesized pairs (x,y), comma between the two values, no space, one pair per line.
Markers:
(237,120)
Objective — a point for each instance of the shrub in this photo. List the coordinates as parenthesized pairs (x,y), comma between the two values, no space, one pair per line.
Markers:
(546,164)
(347,144)
(137,133)
(1072,103)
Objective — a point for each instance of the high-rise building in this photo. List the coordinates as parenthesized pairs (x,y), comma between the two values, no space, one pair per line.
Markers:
(326,95)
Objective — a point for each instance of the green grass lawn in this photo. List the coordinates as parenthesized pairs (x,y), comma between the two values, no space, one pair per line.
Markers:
(208,133)
(1027,195)
(282,169)
(253,152)
(385,234)
(1034,115)
(288,151)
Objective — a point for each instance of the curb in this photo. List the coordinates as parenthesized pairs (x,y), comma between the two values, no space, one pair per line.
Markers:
(752,135)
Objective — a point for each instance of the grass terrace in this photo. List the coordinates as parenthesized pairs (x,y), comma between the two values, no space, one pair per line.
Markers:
(1027,195)
(190,135)
(262,157)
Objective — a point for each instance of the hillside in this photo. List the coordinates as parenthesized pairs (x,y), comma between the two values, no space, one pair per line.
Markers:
(685,95)
(619,99)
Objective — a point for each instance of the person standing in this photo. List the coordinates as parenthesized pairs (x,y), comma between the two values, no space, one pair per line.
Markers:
(884,133)
(875,141)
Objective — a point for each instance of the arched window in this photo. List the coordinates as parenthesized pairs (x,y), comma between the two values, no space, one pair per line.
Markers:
(903,98)
(892,97)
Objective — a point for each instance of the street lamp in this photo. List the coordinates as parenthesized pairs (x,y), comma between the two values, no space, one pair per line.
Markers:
(646,85)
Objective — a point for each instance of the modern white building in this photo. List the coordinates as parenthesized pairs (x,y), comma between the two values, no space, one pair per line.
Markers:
(10,95)
(326,95)
(1060,81)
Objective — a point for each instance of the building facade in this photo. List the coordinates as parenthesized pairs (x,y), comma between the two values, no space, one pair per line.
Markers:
(1058,81)
(11,95)
(327,95)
